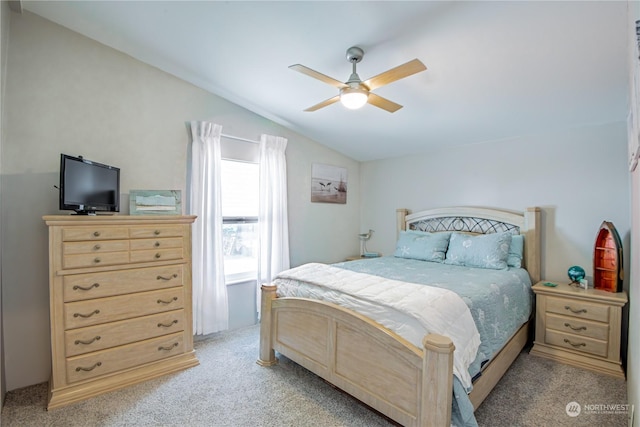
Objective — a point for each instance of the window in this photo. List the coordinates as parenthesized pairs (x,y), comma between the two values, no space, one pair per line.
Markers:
(240,220)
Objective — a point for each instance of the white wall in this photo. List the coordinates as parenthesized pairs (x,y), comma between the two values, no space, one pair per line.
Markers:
(67,93)
(578,177)
(4,42)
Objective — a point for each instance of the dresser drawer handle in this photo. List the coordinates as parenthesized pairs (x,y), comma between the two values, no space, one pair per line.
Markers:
(580,328)
(86,315)
(173,276)
(96,234)
(96,260)
(167,302)
(96,338)
(158,255)
(157,232)
(88,288)
(167,325)
(156,244)
(175,344)
(79,368)
(582,310)
(580,344)
(96,248)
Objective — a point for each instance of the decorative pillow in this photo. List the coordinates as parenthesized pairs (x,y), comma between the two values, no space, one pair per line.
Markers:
(422,245)
(516,251)
(483,251)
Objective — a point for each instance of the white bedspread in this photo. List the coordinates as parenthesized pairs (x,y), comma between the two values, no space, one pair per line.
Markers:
(387,301)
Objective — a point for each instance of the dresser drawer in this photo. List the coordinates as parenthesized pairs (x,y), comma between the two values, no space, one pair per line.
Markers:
(577,343)
(156,231)
(104,362)
(71,248)
(93,338)
(94,233)
(96,285)
(95,259)
(582,327)
(578,308)
(170,242)
(97,311)
(157,255)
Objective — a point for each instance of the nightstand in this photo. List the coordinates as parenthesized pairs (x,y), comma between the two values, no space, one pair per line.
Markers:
(580,327)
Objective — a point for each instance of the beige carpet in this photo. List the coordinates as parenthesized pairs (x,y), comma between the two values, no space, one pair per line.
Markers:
(230,389)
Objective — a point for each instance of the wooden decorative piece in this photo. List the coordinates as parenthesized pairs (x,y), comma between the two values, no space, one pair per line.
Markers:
(608,273)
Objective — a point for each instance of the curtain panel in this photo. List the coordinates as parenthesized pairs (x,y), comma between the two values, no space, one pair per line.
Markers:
(272,217)
(210,301)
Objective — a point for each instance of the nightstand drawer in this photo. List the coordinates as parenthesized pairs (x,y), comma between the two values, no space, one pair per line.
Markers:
(577,343)
(578,308)
(582,327)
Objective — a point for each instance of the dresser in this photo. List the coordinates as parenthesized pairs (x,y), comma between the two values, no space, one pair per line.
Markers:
(581,327)
(120,302)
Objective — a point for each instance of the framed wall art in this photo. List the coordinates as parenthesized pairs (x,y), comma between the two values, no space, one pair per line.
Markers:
(155,202)
(328,184)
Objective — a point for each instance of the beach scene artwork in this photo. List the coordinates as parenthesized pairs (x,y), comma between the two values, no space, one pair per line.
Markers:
(328,184)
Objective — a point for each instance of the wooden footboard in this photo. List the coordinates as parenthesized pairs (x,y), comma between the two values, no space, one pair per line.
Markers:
(409,385)
(412,386)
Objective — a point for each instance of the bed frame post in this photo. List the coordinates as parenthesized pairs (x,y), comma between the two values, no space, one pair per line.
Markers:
(267,355)
(532,243)
(437,381)
(401,215)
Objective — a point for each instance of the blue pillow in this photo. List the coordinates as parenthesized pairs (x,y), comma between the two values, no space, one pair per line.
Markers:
(422,245)
(516,251)
(483,251)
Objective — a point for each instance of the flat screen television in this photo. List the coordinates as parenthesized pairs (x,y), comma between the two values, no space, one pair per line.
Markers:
(87,187)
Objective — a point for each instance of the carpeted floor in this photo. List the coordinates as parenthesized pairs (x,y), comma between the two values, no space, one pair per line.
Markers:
(229,389)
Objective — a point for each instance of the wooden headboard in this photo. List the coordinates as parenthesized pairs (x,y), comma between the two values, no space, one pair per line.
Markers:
(481,221)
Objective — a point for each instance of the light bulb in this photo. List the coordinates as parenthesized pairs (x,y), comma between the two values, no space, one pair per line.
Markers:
(353,97)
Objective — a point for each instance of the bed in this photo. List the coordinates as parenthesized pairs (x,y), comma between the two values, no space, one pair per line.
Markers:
(410,382)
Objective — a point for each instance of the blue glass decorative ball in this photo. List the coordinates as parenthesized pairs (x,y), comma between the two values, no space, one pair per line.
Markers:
(576,273)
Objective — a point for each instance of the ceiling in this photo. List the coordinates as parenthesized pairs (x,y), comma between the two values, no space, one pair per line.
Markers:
(495,70)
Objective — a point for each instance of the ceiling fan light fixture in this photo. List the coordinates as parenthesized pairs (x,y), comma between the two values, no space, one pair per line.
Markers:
(353,97)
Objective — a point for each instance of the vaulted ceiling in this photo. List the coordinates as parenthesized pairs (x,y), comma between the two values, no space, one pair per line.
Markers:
(495,70)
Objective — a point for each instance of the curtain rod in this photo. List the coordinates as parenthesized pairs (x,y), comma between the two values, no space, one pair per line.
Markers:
(224,135)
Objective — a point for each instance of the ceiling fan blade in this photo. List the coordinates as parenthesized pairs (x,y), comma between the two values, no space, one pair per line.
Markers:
(383,103)
(397,73)
(324,103)
(316,75)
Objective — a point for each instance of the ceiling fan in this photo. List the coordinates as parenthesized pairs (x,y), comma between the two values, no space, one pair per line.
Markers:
(354,93)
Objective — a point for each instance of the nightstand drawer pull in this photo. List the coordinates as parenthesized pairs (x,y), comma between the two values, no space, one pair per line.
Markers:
(173,276)
(580,344)
(95,285)
(96,338)
(156,244)
(582,310)
(175,344)
(580,328)
(79,368)
(157,232)
(167,325)
(167,302)
(96,234)
(86,315)
(96,248)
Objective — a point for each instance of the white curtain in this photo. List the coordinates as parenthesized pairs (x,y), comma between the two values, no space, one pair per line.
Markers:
(210,306)
(272,215)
